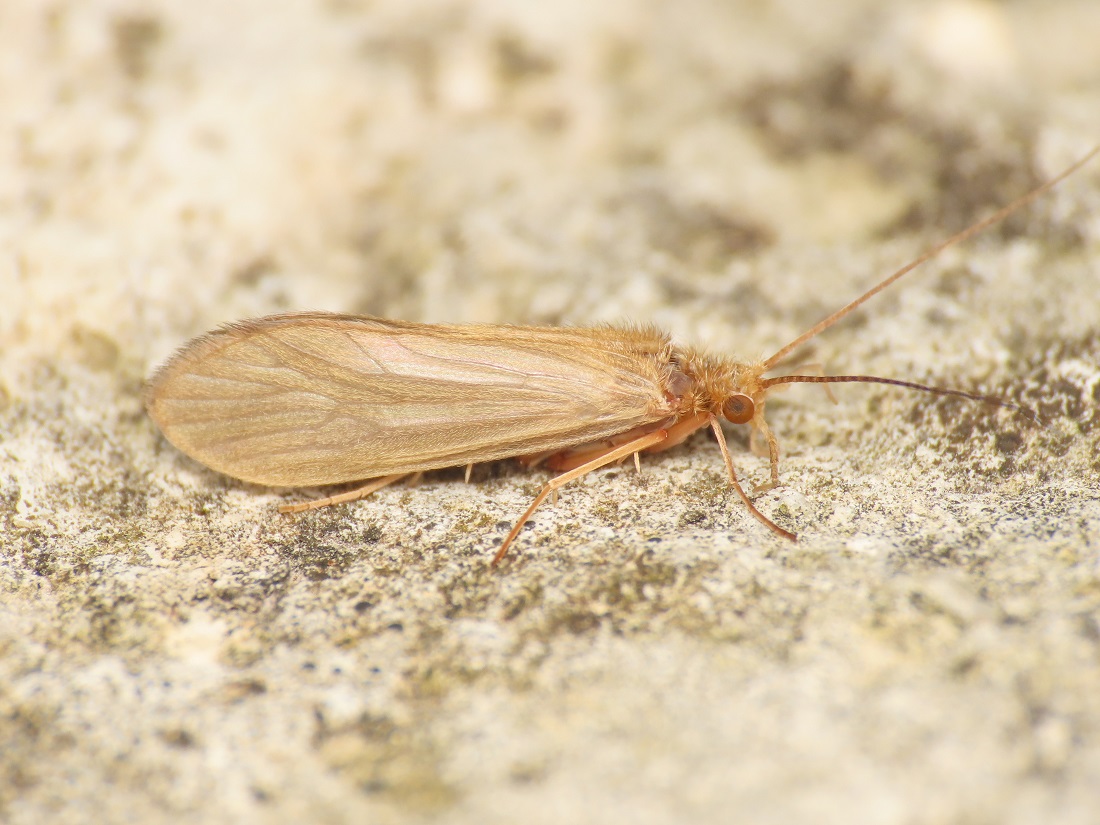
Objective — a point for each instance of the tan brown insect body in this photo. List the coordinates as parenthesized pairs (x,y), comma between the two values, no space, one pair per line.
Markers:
(309,399)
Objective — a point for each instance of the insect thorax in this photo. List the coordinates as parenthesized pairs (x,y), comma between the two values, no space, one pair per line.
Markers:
(702,383)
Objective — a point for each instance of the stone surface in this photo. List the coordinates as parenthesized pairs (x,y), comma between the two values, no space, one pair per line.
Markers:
(171,649)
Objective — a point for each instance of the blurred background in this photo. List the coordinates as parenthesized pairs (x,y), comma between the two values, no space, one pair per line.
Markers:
(731,170)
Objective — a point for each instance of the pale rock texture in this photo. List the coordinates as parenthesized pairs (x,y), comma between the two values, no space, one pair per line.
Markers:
(172,650)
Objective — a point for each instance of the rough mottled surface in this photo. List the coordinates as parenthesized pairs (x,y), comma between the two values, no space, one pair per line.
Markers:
(929,652)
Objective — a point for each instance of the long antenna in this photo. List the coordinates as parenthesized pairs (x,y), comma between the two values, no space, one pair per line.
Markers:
(959,237)
(912,385)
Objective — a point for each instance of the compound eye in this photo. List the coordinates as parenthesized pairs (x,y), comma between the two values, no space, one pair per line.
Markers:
(739,408)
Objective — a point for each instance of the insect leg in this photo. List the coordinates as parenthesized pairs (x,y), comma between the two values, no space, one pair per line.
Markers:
(775,528)
(350,495)
(680,431)
(677,433)
(610,457)
(761,429)
(535,459)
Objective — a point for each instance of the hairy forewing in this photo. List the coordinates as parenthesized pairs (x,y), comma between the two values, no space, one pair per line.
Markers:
(315,398)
